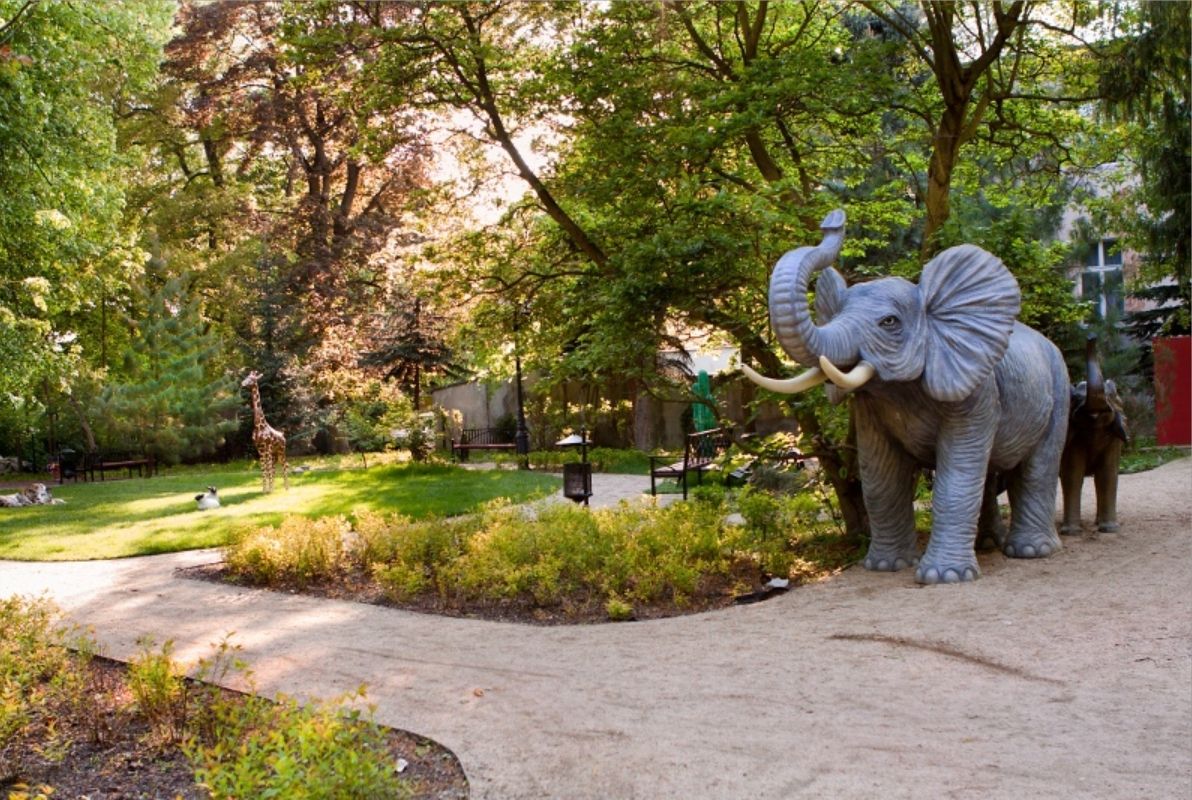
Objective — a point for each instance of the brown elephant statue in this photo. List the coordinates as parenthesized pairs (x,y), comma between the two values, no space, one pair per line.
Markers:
(1097,433)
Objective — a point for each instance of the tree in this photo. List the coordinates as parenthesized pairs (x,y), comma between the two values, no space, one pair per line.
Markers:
(1146,80)
(65,69)
(993,68)
(692,143)
(407,343)
(661,156)
(276,192)
(174,403)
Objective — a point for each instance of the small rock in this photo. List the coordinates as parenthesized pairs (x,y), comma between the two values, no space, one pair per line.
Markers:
(401,766)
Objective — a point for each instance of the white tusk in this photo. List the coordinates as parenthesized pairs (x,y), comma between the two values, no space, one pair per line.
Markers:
(799,383)
(854,379)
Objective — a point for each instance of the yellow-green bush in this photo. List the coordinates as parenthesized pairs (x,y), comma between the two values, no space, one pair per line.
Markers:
(300,550)
(557,553)
(159,689)
(554,554)
(34,661)
(317,751)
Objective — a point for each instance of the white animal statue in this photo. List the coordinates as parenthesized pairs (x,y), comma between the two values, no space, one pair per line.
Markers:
(37,494)
(209,499)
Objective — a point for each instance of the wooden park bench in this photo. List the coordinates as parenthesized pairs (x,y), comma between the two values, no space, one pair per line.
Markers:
(699,456)
(479,439)
(145,465)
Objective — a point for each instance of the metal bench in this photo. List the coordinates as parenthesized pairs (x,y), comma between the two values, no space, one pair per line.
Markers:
(699,456)
(479,439)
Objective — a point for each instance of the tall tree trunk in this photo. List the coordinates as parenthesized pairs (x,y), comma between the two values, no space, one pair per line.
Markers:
(939,179)
(838,465)
(417,387)
(644,434)
(92,447)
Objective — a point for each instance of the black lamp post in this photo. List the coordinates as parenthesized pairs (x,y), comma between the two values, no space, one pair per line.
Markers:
(521,438)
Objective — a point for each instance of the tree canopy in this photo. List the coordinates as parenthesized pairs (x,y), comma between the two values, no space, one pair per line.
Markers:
(343,192)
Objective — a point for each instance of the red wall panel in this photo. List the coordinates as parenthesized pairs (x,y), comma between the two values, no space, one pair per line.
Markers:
(1173,390)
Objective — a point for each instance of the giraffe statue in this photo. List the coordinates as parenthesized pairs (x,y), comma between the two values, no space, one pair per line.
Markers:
(270,442)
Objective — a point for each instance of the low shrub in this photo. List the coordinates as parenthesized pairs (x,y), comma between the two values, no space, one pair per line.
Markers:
(160,691)
(568,558)
(286,749)
(407,558)
(238,745)
(300,550)
(617,609)
(511,555)
(559,553)
(779,527)
(35,662)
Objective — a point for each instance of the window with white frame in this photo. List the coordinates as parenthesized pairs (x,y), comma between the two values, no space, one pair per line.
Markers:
(1101,280)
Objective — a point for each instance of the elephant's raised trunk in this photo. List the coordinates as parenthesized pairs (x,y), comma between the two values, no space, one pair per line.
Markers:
(806,342)
(1095,400)
(796,331)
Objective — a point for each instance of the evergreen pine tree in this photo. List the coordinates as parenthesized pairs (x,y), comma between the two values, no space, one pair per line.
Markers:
(407,344)
(174,403)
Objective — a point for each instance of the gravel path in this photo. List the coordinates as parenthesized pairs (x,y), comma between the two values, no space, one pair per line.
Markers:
(1066,677)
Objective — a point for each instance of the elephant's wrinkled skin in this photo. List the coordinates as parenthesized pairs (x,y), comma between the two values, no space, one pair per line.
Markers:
(1097,433)
(942,376)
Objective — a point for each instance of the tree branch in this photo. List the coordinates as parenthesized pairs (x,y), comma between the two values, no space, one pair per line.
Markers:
(16,17)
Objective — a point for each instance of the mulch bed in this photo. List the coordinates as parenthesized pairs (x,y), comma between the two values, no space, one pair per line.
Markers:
(61,752)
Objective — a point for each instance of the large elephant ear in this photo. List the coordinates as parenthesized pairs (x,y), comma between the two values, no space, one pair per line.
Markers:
(970,301)
(829,295)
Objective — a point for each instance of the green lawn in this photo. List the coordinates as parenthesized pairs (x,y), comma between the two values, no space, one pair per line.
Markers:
(157,515)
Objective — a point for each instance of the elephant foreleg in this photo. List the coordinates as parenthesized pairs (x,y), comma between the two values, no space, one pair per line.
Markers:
(962,459)
(888,478)
(1032,498)
(1105,480)
(1072,483)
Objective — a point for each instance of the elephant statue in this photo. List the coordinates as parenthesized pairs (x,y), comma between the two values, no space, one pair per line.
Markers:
(1097,433)
(944,377)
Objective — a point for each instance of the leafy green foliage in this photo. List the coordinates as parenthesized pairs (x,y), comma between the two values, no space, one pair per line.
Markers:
(33,661)
(173,402)
(560,556)
(159,690)
(239,745)
(63,75)
(1146,80)
(299,550)
(317,751)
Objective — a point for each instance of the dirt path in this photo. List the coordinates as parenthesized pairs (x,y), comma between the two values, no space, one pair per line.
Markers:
(1067,677)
